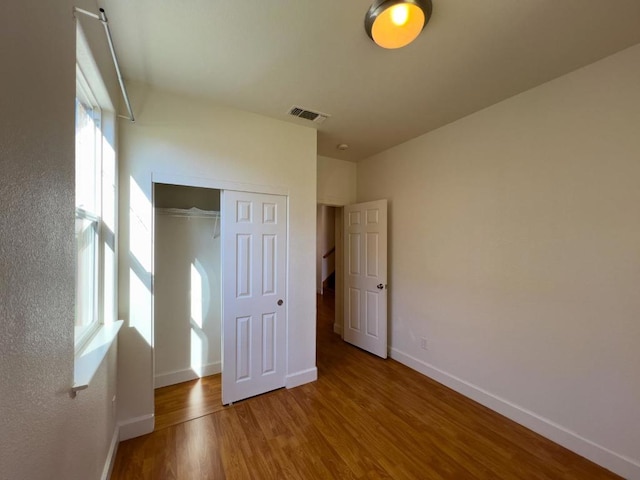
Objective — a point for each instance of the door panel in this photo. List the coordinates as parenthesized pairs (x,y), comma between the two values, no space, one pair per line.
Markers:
(243,347)
(254,255)
(372,254)
(353,305)
(365,285)
(268,343)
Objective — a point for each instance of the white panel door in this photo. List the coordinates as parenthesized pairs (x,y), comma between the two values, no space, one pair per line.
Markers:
(254,229)
(365,272)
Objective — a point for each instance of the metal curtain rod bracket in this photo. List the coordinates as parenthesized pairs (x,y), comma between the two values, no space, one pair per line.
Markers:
(102,17)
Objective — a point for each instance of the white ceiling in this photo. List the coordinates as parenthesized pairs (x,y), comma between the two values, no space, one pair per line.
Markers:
(266,55)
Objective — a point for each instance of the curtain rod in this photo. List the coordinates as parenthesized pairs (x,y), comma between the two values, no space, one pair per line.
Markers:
(102,17)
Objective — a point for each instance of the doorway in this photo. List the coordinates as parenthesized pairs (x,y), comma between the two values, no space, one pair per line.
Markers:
(187,303)
(329,262)
(187,286)
(364,322)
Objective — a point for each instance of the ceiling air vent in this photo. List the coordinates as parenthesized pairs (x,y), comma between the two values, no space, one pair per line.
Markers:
(315,117)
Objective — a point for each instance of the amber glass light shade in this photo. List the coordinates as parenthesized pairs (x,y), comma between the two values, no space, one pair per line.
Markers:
(394,24)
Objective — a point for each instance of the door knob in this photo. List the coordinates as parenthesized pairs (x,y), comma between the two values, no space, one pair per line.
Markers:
(380,286)
(280,302)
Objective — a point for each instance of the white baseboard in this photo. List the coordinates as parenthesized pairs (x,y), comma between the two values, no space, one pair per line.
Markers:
(111,455)
(179,376)
(337,329)
(300,378)
(619,464)
(136,427)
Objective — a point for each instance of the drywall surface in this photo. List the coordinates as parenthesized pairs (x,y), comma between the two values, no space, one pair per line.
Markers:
(187,296)
(336,181)
(515,250)
(45,433)
(176,135)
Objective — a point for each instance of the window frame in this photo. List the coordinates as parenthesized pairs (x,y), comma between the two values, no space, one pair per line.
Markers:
(85,96)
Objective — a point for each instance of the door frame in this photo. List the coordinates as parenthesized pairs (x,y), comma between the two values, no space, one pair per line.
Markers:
(217,184)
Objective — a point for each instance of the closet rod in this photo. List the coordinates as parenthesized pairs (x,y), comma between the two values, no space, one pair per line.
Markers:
(102,17)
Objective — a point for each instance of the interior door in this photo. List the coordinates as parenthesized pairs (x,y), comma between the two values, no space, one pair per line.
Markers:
(365,274)
(254,229)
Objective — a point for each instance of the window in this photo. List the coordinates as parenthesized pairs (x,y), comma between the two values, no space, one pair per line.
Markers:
(96,326)
(88,213)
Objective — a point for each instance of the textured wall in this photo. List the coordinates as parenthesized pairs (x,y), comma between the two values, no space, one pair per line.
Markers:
(515,249)
(44,433)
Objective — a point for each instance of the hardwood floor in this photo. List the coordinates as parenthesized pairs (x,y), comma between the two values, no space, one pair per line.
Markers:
(187,401)
(364,418)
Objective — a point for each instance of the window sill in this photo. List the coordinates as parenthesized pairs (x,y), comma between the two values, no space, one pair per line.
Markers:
(90,358)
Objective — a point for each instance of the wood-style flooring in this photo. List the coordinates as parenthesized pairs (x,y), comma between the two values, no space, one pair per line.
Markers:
(364,418)
(187,401)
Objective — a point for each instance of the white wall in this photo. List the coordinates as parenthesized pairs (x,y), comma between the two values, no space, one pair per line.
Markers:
(44,432)
(515,250)
(336,181)
(187,297)
(175,135)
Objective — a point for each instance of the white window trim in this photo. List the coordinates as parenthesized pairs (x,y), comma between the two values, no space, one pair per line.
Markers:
(92,350)
(93,327)
(86,96)
(89,360)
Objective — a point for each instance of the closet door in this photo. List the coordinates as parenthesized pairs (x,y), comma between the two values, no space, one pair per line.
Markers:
(254,233)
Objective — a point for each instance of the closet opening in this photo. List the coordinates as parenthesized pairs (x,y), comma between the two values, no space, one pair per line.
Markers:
(187,303)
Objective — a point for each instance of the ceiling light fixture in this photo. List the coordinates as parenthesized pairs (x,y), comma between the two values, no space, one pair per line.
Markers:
(396,23)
